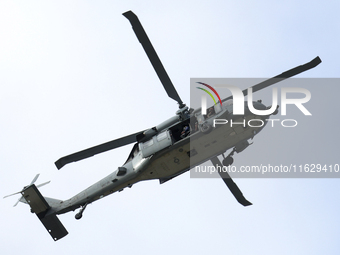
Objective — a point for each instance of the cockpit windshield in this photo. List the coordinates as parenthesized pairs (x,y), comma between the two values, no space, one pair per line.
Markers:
(228,102)
(133,152)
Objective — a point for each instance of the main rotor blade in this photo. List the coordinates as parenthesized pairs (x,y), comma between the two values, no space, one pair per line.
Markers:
(153,57)
(282,76)
(97,149)
(230,183)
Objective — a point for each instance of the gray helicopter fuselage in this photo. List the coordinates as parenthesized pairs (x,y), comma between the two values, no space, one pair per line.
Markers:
(165,156)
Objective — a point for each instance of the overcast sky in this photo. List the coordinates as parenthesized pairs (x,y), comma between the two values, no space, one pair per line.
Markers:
(73,75)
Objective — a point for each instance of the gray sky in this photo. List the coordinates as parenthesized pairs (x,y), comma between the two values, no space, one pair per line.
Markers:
(73,75)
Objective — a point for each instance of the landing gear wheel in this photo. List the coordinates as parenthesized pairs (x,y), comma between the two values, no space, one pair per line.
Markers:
(228,161)
(80,213)
(78,216)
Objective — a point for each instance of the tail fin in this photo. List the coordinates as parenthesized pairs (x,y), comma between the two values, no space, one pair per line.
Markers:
(42,208)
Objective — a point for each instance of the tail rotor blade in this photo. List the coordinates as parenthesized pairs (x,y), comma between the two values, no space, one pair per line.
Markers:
(17,201)
(35,178)
(12,194)
(42,184)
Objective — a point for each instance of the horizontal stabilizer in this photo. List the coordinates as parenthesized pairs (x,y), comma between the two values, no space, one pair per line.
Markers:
(54,226)
(41,208)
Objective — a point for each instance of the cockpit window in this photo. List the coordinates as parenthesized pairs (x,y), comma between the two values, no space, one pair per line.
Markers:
(228,102)
(133,152)
(210,112)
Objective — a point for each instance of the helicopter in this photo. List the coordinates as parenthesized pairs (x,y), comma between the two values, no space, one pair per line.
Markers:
(164,151)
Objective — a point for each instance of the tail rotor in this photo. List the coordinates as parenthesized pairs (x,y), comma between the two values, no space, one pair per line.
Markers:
(32,182)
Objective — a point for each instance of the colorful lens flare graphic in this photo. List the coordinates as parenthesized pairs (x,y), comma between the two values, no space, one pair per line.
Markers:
(212,89)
